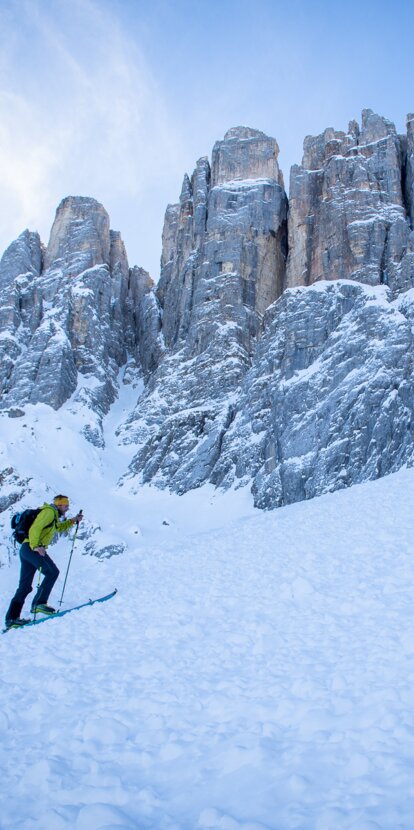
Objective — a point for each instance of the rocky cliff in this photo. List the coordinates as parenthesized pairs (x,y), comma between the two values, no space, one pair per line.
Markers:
(329,399)
(276,349)
(71,312)
(223,263)
(351,207)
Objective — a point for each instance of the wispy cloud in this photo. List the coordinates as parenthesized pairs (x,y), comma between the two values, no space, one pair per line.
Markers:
(80,113)
(29,159)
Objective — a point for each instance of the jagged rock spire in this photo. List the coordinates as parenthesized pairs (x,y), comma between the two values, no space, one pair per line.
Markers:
(349,204)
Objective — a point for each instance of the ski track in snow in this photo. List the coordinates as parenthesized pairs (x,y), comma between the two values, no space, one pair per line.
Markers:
(256,676)
(255,670)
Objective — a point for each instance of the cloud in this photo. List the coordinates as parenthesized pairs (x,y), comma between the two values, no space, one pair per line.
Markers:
(28,162)
(80,113)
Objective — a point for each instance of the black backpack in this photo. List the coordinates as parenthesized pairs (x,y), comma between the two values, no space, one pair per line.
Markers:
(22,522)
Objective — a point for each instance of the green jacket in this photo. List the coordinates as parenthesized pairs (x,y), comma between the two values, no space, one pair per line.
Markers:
(45,525)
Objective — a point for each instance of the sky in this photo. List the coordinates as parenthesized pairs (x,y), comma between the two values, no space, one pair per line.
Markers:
(117,99)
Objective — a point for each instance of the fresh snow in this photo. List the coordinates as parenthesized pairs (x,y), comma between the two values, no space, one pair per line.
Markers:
(255,669)
(240,184)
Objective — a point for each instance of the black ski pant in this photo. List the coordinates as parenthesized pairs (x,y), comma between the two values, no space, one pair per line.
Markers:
(31,561)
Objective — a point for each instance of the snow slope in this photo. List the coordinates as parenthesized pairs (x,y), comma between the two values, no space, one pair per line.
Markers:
(255,670)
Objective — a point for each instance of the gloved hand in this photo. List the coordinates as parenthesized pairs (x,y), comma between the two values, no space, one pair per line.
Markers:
(78,518)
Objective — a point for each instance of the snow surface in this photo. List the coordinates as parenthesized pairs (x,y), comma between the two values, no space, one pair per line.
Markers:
(255,670)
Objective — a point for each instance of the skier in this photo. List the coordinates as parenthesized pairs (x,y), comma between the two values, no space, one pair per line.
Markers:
(34,556)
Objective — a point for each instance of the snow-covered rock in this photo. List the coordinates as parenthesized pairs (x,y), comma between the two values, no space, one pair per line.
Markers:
(223,264)
(70,312)
(329,399)
(293,391)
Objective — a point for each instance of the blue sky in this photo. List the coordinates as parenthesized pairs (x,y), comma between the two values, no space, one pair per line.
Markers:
(117,99)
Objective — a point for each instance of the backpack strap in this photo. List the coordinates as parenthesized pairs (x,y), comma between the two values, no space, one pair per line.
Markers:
(55,517)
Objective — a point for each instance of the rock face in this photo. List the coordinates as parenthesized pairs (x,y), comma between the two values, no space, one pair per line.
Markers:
(19,267)
(329,399)
(224,244)
(322,398)
(409,168)
(348,207)
(70,312)
(80,237)
(276,349)
(223,262)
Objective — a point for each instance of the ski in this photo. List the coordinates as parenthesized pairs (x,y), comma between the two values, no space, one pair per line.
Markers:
(66,611)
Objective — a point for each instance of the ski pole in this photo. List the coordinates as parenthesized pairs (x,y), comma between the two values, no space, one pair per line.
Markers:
(70,559)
